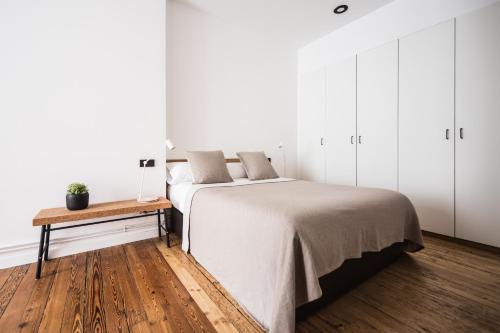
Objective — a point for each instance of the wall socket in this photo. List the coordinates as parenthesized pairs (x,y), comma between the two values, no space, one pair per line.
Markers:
(150,164)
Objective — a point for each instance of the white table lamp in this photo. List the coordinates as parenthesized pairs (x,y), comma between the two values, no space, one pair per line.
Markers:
(169,144)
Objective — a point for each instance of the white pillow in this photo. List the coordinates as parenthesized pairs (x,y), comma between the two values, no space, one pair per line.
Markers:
(181,172)
(236,170)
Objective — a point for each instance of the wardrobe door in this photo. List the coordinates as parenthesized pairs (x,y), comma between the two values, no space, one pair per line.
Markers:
(426,115)
(478,126)
(341,123)
(311,122)
(377,116)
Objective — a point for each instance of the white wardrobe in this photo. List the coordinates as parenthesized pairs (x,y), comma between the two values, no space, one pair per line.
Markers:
(348,135)
(377,118)
(426,125)
(477,119)
(311,126)
(420,115)
(340,123)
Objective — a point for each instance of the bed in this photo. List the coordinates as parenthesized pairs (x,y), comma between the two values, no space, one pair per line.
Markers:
(272,242)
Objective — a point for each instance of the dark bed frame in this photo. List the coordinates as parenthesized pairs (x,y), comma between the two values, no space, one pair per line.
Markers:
(335,284)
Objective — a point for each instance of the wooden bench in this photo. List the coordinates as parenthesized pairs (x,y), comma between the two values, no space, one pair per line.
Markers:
(47,217)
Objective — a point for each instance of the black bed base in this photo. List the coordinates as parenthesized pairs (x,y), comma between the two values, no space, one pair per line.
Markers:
(346,277)
(352,273)
(176,223)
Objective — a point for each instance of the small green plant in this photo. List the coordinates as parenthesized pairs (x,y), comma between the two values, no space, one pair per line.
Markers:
(77,188)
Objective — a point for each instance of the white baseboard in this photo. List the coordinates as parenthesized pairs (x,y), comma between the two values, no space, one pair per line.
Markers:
(27,253)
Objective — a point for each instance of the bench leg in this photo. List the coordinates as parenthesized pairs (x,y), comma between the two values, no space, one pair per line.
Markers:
(40,253)
(168,216)
(159,223)
(47,242)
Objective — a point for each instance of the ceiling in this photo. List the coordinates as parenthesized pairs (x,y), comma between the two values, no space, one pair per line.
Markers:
(298,22)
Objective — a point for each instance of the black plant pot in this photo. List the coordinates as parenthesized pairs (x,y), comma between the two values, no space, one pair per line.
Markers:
(77,201)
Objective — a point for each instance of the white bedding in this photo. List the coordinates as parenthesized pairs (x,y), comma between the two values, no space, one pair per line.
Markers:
(178,193)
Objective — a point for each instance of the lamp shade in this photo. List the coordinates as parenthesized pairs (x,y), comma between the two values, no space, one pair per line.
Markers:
(170,145)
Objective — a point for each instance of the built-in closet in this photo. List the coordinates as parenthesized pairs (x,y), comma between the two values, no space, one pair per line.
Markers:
(426,124)
(311,126)
(340,123)
(420,115)
(477,126)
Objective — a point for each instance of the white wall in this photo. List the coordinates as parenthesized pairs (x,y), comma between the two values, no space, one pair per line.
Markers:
(82,98)
(394,20)
(230,87)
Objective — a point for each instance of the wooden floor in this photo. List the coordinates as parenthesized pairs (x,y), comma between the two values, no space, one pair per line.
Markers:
(146,287)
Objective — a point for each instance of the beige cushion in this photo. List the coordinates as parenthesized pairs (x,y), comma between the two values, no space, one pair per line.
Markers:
(257,166)
(208,167)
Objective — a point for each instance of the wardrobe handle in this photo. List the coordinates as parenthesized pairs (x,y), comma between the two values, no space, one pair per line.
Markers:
(461,132)
(352,139)
(447,135)
(321,142)
(359,139)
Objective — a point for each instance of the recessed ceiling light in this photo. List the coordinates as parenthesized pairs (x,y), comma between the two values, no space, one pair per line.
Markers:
(341,9)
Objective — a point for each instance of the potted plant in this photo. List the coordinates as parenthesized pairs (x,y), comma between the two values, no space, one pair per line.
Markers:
(77,196)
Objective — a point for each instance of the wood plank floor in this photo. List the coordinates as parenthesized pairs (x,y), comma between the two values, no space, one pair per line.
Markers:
(147,287)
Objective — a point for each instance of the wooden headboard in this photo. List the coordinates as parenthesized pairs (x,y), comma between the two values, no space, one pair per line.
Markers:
(180,160)
(228,160)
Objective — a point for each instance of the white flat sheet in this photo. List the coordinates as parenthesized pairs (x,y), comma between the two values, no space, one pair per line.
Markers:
(179,192)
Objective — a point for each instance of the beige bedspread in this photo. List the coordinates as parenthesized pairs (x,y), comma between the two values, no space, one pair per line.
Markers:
(269,243)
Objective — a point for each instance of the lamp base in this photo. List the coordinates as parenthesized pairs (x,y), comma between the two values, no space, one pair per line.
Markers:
(147,199)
